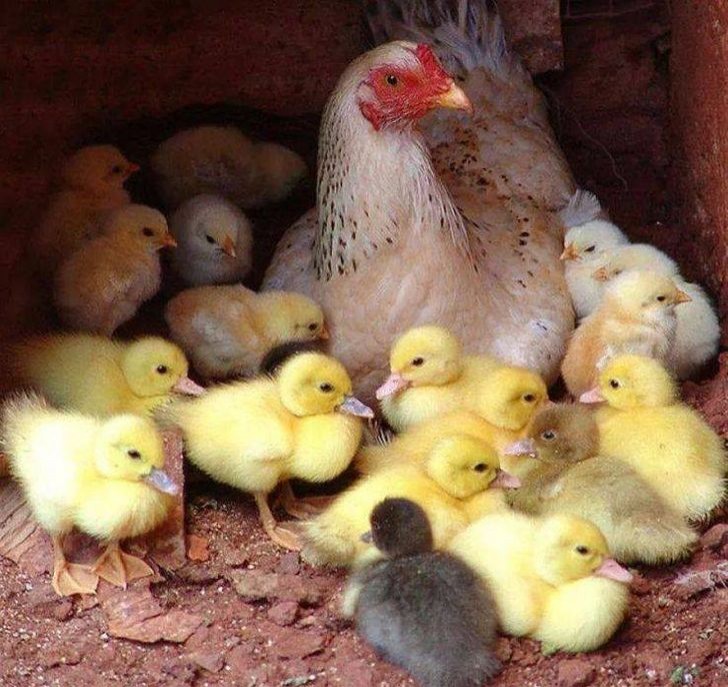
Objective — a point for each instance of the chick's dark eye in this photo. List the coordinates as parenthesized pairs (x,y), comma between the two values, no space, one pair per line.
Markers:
(312,327)
(614,383)
(326,387)
(162,369)
(116,169)
(147,231)
(209,238)
(418,362)
(133,453)
(529,398)
(582,550)
(590,249)
(392,80)
(480,467)
(548,435)
(661,299)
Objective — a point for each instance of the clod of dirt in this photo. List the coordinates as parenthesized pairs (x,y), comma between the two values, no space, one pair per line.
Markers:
(575,672)
(715,537)
(212,662)
(197,548)
(289,643)
(255,585)
(283,613)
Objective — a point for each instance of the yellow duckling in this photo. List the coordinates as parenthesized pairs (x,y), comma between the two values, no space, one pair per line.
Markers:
(98,376)
(664,440)
(103,477)
(431,376)
(450,487)
(552,578)
(257,434)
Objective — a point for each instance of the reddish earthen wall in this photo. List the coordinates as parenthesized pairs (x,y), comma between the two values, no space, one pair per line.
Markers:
(699,128)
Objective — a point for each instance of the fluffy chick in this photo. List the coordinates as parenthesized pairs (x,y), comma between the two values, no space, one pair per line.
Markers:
(214,241)
(425,611)
(585,246)
(258,434)
(637,315)
(431,376)
(697,335)
(103,477)
(91,184)
(552,578)
(227,330)
(664,440)
(456,471)
(222,160)
(98,376)
(639,526)
(102,285)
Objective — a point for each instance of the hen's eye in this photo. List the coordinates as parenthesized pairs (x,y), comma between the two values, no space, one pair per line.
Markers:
(614,383)
(133,453)
(590,249)
(392,80)
(529,398)
(582,550)
(418,362)
(480,467)
(209,238)
(326,387)
(147,231)
(162,369)
(661,299)
(116,169)
(548,435)
(312,327)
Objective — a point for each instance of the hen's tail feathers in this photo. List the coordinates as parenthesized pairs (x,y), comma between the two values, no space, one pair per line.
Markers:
(465,33)
(583,207)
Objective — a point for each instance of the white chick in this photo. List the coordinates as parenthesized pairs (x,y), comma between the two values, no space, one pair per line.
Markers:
(221,159)
(102,285)
(697,336)
(214,241)
(585,246)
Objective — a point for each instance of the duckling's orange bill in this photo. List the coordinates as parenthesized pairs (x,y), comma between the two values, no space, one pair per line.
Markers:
(592,396)
(505,480)
(394,384)
(353,406)
(161,481)
(522,447)
(187,387)
(613,571)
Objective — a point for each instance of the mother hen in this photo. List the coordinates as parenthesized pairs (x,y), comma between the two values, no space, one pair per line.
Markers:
(452,223)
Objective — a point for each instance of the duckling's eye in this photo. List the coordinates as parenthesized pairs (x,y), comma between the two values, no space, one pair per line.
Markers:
(661,299)
(529,398)
(162,369)
(392,80)
(548,435)
(133,453)
(326,387)
(590,249)
(418,362)
(312,327)
(614,383)
(582,550)
(480,467)
(116,169)
(147,231)
(209,238)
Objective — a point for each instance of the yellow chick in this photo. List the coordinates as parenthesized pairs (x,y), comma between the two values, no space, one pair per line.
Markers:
(637,315)
(103,477)
(552,578)
(98,376)
(697,334)
(450,487)
(227,330)
(91,184)
(258,434)
(431,376)
(102,284)
(570,477)
(664,440)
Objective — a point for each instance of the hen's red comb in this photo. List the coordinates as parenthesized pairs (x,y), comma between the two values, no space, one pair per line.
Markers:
(430,63)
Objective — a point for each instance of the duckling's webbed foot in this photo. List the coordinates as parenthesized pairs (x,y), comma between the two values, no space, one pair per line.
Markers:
(287,535)
(71,578)
(302,508)
(120,568)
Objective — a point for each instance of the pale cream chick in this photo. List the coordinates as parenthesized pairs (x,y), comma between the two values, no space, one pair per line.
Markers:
(459,482)
(637,315)
(102,285)
(552,578)
(697,336)
(91,184)
(429,376)
(103,477)
(668,443)
(227,330)
(98,376)
(222,160)
(585,248)
(258,434)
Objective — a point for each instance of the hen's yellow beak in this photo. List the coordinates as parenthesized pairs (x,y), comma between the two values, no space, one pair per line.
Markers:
(455,99)
(228,247)
(570,253)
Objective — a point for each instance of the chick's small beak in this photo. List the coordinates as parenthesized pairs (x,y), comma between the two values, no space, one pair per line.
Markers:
(505,480)
(168,241)
(682,297)
(131,168)
(161,481)
(569,253)
(454,98)
(353,406)
(592,396)
(324,334)
(366,537)
(522,447)
(187,387)
(601,274)
(613,571)
(392,385)
(228,247)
